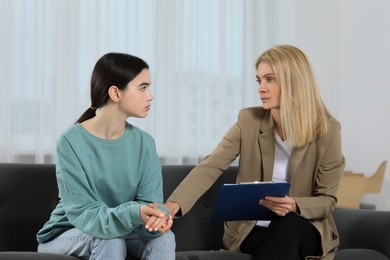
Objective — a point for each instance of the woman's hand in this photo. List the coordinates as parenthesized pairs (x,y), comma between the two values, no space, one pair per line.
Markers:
(280,205)
(173,207)
(155,219)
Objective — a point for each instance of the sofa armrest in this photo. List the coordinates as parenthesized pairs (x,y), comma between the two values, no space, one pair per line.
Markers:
(359,228)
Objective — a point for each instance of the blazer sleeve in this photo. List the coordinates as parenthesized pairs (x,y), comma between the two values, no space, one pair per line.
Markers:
(327,175)
(200,179)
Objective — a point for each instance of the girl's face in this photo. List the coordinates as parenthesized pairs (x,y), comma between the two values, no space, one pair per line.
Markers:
(136,97)
(269,89)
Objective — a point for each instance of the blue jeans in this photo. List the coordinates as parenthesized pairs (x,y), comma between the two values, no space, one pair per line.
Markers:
(76,243)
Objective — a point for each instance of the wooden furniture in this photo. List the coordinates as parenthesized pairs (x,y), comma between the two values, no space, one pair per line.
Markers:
(354,185)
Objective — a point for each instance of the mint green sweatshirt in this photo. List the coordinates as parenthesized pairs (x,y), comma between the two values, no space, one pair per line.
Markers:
(102,183)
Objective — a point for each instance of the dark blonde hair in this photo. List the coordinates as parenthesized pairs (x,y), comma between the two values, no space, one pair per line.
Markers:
(302,111)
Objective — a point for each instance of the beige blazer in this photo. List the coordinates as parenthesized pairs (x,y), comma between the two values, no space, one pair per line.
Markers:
(314,171)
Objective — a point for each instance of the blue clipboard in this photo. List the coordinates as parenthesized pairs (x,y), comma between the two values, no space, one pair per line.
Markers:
(241,201)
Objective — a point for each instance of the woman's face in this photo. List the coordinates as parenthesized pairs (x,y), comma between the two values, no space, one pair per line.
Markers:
(269,89)
(136,97)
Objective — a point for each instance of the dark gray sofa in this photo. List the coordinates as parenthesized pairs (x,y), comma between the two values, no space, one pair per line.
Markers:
(27,190)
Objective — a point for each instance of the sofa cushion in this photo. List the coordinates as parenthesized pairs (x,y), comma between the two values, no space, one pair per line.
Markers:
(211,255)
(363,229)
(33,256)
(359,254)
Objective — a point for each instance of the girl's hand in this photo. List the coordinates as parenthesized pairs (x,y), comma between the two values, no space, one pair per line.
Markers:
(155,219)
(280,205)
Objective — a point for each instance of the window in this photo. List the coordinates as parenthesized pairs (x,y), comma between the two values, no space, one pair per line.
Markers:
(195,50)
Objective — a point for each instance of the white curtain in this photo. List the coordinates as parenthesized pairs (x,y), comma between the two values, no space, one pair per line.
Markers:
(201,55)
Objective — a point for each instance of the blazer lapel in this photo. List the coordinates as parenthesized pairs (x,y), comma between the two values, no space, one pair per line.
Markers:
(296,158)
(267,147)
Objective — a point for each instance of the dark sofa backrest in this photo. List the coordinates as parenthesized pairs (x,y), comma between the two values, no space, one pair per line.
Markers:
(27,192)
(194,231)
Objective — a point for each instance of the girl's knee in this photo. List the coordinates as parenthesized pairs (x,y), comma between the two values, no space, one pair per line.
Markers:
(112,243)
(116,246)
(170,238)
(166,242)
(162,247)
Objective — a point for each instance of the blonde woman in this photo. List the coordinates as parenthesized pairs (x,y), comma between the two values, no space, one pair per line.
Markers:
(291,137)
